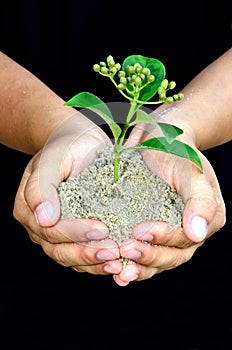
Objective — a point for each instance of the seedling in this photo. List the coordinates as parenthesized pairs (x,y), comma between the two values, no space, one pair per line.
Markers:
(138,79)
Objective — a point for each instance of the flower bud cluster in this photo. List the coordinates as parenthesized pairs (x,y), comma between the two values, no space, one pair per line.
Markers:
(133,78)
(164,87)
(108,68)
(136,76)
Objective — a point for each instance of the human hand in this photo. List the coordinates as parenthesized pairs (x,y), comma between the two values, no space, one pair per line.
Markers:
(66,242)
(204,214)
(71,148)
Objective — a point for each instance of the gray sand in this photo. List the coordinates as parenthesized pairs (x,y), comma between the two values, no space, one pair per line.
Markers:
(139,195)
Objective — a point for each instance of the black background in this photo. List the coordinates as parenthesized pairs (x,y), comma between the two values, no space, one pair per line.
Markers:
(46,306)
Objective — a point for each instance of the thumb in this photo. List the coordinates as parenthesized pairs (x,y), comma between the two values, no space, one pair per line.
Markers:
(70,148)
(204,211)
(40,189)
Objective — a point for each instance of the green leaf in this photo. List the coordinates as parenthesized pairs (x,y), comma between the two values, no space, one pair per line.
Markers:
(157,69)
(95,104)
(143,117)
(177,148)
(170,131)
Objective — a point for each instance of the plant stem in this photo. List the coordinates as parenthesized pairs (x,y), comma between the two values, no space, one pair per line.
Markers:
(116,162)
(132,110)
(118,146)
(121,92)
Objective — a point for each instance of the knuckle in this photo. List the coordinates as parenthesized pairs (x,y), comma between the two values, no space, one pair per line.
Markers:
(48,234)
(58,255)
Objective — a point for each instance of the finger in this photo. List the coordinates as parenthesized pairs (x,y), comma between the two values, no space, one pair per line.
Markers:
(157,256)
(135,272)
(204,207)
(65,154)
(91,258)
(146,260)
(78,255)
(161,233)
(52,166)
(100,268)
(80,230)
(128,274)
(143,273)
(37,191)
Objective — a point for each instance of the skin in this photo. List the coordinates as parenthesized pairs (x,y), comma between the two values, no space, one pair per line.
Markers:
(30,110)
(207,102)
(44,126)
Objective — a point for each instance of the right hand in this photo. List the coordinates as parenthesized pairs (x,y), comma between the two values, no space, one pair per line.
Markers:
(204,214)
(71,148)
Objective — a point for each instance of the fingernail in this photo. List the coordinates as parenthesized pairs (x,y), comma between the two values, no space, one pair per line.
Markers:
(105,255)
(99,234)
(133,254)
(147,230)
(112,267)
(44,212)
(130,275)
(199,227)
(145,237)
(119,281)
(109,269)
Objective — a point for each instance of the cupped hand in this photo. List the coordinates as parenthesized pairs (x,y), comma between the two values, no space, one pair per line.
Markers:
(156,247)
(81,244)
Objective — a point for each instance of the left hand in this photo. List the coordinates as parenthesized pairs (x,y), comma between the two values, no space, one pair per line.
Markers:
(204,214)
(73,243)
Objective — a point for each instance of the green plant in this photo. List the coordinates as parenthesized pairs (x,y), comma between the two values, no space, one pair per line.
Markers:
(138,79)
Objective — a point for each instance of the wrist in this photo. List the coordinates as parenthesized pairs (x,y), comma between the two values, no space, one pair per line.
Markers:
(40,128)
(172,116)
(74,126)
